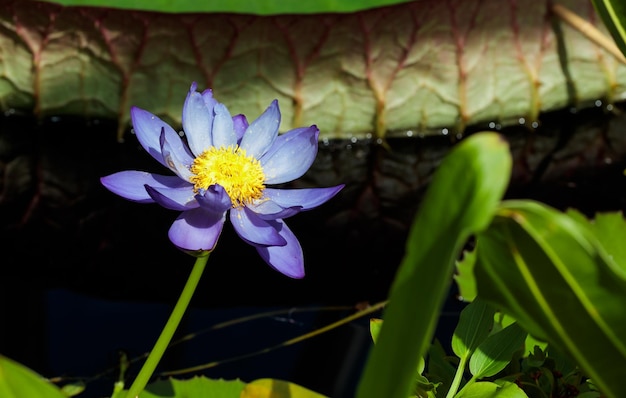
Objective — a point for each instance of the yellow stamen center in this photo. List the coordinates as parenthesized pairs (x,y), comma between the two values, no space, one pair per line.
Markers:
(240,175)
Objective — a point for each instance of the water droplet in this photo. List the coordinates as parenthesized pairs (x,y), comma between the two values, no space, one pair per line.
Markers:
(492,125)
(132,131)
(55,119)
(535,124)
(368,136)
(521,120)
(348,147)
(573,109)
(353,140)
(409,133)
(609,107)
(9,112)
(326,141)
(444,131)
(459,136)
(181,133)
(379,141)
(598,103)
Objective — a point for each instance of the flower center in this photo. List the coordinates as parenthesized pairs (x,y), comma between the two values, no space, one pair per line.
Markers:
(240,175)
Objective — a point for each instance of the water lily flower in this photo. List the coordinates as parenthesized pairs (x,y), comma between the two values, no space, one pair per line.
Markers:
(226,166)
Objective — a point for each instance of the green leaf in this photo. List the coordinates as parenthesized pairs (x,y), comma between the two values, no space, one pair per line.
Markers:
(613,14)
(486,389)
(496,351)
(551,274)
(460,201)
(440,370)
(610,232)
(502,320)
(195,387)
(256,7)
(17,381)
(475,323)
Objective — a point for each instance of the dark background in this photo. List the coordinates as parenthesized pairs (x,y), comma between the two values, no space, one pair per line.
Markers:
(85,273)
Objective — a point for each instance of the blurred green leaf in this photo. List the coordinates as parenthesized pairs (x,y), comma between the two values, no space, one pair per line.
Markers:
(17,381)
(195,387)
(613,14)
(496,351)
(375,325)
(551,274)
(73,389)
(272,388)
(465,275)
(475,323)
(460,201)
(254,7)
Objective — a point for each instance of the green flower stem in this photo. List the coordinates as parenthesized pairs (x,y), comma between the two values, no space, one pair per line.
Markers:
(170,328)
(458,377)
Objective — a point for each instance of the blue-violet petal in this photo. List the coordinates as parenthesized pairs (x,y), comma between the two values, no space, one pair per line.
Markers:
(173,198)
(253,229)
(148,128)
(214,199)
(176,155)
(262,132)
(129,184)
(287,259)
(197,120)
(197,229)
(223,130)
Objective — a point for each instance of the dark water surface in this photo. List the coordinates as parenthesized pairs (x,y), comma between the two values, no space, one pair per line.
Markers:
(84,269)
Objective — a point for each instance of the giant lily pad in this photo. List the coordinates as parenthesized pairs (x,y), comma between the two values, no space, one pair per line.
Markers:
(425,65)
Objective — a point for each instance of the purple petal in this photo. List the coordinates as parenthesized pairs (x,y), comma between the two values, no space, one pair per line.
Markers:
(253,229)
(291,155)
(262,132)
(305,198)
(240,124)
(287,259)
(130,184)
(215,199)
(176,156)
(180,199)
(198,119)
(268,210)
(223,130)
(197,229)
(148,128)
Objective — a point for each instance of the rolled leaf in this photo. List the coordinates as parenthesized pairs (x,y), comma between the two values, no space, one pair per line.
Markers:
(460,201)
